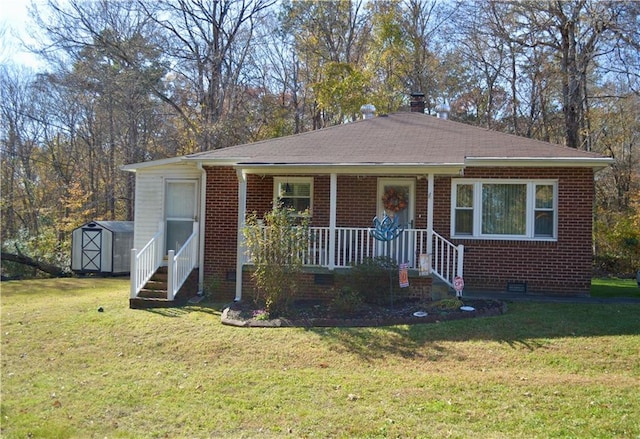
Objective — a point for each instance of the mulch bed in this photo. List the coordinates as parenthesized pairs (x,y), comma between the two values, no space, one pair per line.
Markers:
(310,313)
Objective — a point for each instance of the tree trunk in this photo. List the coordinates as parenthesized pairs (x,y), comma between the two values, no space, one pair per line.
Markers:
(40,265)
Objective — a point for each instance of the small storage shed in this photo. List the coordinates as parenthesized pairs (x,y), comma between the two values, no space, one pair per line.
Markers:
(102,247)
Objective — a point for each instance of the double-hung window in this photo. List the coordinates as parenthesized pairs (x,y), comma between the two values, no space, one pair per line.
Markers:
(294,192)
(504,209)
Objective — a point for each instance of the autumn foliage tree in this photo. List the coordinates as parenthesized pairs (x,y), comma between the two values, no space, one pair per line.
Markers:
(135,80)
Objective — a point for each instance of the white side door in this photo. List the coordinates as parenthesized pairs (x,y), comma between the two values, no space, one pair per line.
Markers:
(181,207)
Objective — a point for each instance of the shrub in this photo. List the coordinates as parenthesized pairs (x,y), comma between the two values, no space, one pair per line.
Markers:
(346,301)
(277,250)
(447,305)
(617,242)
(375,279)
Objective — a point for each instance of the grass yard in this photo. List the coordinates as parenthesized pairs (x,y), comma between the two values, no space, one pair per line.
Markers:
(541,370)
(614,287)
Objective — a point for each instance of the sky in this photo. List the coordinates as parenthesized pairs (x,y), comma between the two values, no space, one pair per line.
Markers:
(13,21)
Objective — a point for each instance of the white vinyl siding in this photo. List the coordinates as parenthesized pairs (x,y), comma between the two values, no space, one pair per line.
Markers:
(504,209)
(150,189)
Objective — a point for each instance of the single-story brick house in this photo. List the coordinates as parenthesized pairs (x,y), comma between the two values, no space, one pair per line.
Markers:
(499,210)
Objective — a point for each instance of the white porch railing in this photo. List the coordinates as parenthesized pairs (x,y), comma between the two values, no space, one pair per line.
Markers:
(145,262)
(182,263)
(355,244)
(447,259)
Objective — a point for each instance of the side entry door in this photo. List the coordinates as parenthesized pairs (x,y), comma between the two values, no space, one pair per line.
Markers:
(181,207)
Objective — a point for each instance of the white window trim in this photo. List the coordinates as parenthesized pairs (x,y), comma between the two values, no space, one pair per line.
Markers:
(530,215)
(284,180)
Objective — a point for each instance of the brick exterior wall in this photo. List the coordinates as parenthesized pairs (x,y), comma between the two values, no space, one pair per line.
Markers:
(420,287)
(562,267)
(220,240)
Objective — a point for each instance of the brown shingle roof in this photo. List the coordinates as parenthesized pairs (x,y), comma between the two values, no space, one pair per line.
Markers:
(400,138)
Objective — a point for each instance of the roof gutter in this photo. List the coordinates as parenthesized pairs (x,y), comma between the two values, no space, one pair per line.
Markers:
(349,168)
(596,163)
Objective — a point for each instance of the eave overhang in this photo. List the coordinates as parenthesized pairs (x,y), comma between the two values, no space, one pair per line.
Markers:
(133,167)
(341,168)
(248,166)
(596,163)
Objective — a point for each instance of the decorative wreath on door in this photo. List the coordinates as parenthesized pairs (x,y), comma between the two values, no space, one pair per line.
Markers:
(394,200)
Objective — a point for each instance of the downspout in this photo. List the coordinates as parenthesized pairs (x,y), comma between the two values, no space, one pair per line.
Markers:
(242,207)
(203,210)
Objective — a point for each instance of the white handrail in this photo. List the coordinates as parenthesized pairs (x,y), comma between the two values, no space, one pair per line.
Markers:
(181,264)
(447,259)
(145,263)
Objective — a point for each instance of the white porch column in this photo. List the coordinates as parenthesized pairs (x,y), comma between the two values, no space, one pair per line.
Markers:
(430,214)
(171,274)
(333,209)
(242,207)
(460,261)
(201,230)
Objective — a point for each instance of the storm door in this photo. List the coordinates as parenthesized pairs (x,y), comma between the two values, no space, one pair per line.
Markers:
(396,198)
(181,209)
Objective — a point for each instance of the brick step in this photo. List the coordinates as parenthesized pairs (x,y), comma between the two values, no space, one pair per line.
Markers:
(159,277)
(144,303)
(152,294)
(154,284)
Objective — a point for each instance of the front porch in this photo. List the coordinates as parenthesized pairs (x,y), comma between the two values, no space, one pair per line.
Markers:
(342,207)
(424,251)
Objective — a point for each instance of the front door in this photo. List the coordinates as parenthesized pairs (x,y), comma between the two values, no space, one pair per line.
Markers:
(181,207)
(396,198)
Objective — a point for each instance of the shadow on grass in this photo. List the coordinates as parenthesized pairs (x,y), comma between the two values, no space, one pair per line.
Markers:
(524,326)
(205,307)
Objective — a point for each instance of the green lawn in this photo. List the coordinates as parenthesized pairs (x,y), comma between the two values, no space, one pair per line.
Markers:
(614,287)
(541,370)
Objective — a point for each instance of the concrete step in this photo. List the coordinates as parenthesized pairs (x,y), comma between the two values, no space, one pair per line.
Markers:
(440,290)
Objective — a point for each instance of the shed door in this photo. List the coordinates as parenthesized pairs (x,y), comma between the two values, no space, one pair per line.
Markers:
(180,212)
(91,250)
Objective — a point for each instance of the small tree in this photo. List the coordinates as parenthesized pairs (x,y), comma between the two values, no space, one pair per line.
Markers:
(277,248)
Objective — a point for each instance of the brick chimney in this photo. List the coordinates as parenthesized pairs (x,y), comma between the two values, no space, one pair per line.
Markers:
(417,103)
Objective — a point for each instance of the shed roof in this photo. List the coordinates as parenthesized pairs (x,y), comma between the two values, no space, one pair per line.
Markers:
(112,226)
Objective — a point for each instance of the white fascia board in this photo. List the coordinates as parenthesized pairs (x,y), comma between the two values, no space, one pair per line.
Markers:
(359,169)
(529,162)
(133,167)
